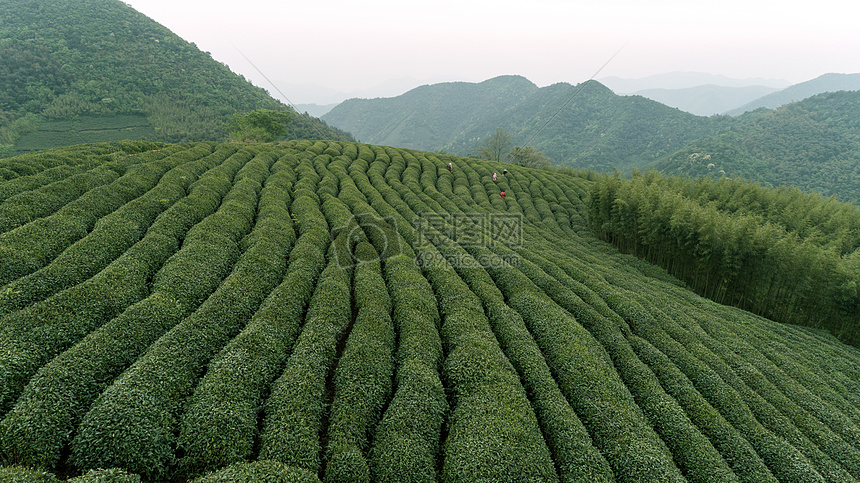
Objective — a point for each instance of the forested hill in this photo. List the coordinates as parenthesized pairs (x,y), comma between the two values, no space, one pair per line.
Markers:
(430,116)
(813,144)
(595,128)
(332,311)
(109,72)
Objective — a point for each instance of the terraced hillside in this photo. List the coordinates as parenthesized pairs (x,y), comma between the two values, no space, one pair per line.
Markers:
(343,312)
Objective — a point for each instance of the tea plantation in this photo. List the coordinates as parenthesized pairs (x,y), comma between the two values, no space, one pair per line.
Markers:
(341,312)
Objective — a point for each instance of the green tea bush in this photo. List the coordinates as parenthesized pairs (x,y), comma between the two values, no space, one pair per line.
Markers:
(63,389)
(482,382)
(762,378)
(350,150)
(557,359)
(783,460)
(23,474)
(365,153)
(363,378)
(26,207)
(7,174)
(469,340)
(736,450)
(33,335)
(260,471)
(566,461)
(29,183)
(573,453)
(110,237)
(220,426)
(790,365)
(294,411)
(813,383)
(341,220)
(691,450)
(334,149)
(585,373)
(773,409)
(74,220)
(318,147)
(170,367)
(112,475)
(406,443)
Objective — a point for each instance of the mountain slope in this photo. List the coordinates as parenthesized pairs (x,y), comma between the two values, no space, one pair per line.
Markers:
(584,126)
(588,126)
(706,100)
(797,92)
(428,117)
(109,68)
(322,310)
(813,144)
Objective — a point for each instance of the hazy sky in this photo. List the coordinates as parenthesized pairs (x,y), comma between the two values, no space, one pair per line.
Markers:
(353,45)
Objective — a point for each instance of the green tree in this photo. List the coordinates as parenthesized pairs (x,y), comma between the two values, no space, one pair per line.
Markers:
(496,146)
(262,125)
(528,156)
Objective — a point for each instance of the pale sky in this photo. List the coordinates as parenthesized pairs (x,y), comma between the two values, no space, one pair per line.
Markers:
(348,46)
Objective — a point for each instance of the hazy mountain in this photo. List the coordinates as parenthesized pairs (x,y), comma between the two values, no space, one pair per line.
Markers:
(429,117)
(307,94)
(114,73)
(315,110)
(684,80)
(824,83)
(707,100)
(586,125)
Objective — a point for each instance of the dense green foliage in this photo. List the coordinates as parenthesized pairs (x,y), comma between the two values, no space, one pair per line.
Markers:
(262,125)
(341,312)
(100,71)
(813,144)
(786,255)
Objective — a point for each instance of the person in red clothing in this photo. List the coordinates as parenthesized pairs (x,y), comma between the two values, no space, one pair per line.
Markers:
(502,194)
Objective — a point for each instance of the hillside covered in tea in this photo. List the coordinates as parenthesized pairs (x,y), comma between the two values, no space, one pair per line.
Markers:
(333,311)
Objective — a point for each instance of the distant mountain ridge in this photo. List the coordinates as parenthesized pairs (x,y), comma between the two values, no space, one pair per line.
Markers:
(707,100)
(595,129)
(685,80)
(797,92)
